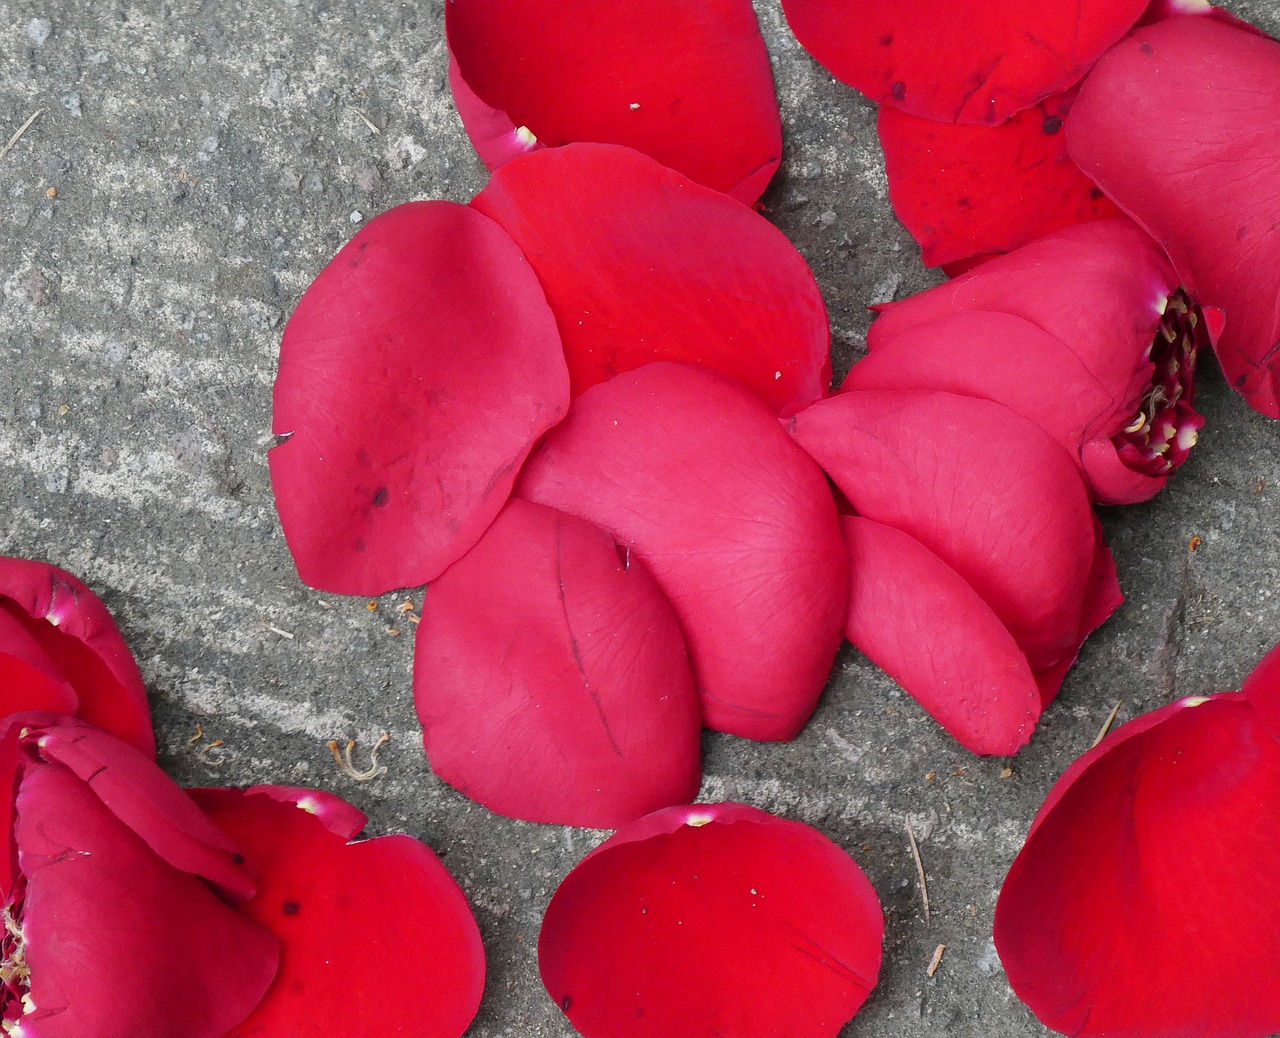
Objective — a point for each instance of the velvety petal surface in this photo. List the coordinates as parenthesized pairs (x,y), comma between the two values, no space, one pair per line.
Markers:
(984,489)
(693,473)
(1180,125)
(712,919)
(29,679)
(1262,689)
(120,944)
(77,632)
(915,617)
(552,679)
(415,375)
(689,84)
(966,61)
(966,191)
(1144,901)
(640,264)
(376,937)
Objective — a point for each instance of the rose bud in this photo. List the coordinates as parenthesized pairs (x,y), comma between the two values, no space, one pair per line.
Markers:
(1146,900)
(116,885)
(1085,332)
(61,651)
(1180,125)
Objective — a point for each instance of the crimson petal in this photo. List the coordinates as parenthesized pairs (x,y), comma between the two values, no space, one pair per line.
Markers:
(692,472)
(376,937)
(78,633)
(415,375)
(1144,901)
(641,264)
(1180,125)
(748,924)
(29,679)
(689,84)
(966,61)
(552,679)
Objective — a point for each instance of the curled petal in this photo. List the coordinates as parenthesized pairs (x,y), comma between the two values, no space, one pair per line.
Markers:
(335,814)
(918,619)
(693,473)
(1143,902)
(640,264)
(1178,124)
(29,678)
(720,913)
(963,61)
(376,937)
(689,84)
(552,678)
(415,375)
(78,634)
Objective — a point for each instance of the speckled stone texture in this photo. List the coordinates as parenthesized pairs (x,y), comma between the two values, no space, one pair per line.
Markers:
(196,163)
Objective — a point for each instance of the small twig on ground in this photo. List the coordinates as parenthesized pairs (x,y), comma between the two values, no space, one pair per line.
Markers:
(345,765)
(17,136)
(276,630)
(936,961)
(924,886)
(1106,725)
(367,121)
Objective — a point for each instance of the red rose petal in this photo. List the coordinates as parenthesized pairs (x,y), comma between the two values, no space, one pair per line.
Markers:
(552,679)
(339,817)
(965,191)
(1180,125)
(1262,688)
(415,374)
(982,488)
(376,937)
(718,916)
(689,84)
(641,264)
(921,622)
(29,679)
(966,61)
(117,941)
(693,473)
(77,632)
(1144,901)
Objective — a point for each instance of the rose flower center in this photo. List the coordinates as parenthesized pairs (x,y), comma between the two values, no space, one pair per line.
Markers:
(15,975)
(1166,427)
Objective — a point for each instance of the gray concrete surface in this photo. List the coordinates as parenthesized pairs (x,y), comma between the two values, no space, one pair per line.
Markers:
(208,157)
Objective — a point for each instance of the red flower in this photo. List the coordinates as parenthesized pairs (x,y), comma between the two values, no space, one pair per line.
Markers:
(415,375)
(965,61)
(1180,125)
(689,84)
(114,923)
(1084,332)
(692,473)
(1144,902)
(61,651)
(981,569)
(552,679)
(722,914)
(641,264)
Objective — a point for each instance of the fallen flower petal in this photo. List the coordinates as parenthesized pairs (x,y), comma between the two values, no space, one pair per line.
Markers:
(641,264)
(693,473)
(376,937)
(416,373)
(964,61)
(552,679)
(749,924)
(81,649)
(1180,125)
(689,84)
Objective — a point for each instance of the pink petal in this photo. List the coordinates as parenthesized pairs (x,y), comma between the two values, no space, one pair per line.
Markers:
(965,191)
(1178,125)
(117,940)
(641,264)
(552,679)
(919,620)
(693,473)
(982,488)
(415,375)
(965,61)
(376,937)
(717,915)
(1144,901)
(689,84)
(76,630)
